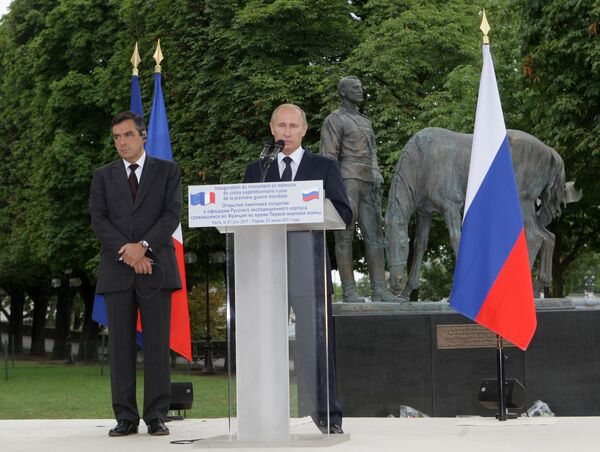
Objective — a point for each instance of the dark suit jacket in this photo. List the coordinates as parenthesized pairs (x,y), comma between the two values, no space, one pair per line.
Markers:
(312,167)
(153,217)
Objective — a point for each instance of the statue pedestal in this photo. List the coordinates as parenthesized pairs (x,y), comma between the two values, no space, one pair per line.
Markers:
(432,359)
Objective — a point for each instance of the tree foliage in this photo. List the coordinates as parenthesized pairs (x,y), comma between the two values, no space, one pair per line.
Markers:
(64,70)
(561,87)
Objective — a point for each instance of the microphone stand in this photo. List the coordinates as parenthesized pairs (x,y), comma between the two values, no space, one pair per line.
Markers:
(265,160)
(269,156)
(264,166)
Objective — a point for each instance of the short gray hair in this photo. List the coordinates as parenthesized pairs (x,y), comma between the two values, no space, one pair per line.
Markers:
(292,106)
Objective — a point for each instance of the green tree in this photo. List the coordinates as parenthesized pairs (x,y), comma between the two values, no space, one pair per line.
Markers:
(406,51)
(57,79)
(436,279)
(20,271)
(561,70)
(64,70)
(217,295)
(420,63)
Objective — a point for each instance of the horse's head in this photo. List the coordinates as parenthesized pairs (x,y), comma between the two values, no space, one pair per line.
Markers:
(397,248)
(396,278)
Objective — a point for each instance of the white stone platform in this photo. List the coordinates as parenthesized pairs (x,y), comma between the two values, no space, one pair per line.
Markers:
(563,434)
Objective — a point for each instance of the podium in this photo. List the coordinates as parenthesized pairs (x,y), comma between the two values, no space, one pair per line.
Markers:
(261,322)
(261,325)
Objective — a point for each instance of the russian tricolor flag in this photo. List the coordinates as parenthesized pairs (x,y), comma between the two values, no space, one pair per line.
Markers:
(311,194)
(492,281)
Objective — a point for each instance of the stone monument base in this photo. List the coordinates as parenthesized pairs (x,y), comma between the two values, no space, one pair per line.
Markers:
(426,356)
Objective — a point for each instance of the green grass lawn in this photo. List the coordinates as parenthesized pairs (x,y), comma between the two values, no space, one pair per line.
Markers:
(57,391)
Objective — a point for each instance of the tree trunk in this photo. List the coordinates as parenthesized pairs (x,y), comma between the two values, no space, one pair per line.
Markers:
(59,351)
(38,328)
(15,323)
(88,347)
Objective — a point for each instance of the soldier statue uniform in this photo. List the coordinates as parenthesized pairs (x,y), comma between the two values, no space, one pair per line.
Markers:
(347,136)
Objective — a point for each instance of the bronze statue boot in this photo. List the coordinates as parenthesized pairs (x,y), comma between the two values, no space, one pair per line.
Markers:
(349,294)
(380,293)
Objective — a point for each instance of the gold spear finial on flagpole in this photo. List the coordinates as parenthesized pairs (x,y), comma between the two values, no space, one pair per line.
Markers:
(485,28)
(135,60)
(158,57)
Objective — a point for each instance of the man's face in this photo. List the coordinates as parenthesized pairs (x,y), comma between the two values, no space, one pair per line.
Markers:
(128,141)
(289,126)
(352,90)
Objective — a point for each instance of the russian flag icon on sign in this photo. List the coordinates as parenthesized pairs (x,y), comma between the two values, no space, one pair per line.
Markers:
(311,194)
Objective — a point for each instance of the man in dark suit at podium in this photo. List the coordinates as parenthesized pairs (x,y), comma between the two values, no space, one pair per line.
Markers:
(294,163)
(135,205)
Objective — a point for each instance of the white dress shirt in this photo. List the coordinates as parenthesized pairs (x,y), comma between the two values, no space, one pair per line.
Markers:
(140,163)
(296,157)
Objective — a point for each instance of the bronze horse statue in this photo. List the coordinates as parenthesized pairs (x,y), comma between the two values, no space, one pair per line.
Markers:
(431,177)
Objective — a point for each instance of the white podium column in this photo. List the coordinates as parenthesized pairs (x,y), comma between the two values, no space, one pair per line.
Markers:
(261,320)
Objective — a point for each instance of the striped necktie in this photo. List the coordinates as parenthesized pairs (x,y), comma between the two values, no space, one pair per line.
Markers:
(133,182)
(287,172)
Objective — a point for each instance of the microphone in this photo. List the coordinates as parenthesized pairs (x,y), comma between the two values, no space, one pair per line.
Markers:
(266,150)
(277,148)
(268,154)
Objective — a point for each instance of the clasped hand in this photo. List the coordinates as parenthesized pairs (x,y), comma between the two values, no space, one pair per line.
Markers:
(134,255)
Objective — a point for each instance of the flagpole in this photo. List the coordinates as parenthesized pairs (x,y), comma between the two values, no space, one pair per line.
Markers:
(485,28)
(500,295)
(135,60)
(135,105)
(135,99)
(158,144)
(501,395)
(158,57)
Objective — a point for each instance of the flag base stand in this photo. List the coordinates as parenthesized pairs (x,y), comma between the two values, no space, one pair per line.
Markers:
(501,393)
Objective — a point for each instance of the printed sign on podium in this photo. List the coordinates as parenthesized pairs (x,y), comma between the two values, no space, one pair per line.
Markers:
(256,204)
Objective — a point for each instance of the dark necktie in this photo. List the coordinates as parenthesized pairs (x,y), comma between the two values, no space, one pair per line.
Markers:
(133,182)
(287,172)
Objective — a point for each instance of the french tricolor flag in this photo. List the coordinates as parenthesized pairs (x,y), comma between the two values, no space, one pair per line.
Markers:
(158,145)
(492,281)
(203,198)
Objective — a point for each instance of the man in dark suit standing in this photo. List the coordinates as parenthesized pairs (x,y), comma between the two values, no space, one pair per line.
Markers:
(135,205)
(294,163)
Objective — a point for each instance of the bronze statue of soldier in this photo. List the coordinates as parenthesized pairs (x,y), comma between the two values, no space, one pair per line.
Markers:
(347,136)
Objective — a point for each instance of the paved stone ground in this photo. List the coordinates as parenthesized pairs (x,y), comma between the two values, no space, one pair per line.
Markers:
(366,435)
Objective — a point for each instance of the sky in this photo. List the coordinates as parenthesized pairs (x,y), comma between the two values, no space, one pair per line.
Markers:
(4,6)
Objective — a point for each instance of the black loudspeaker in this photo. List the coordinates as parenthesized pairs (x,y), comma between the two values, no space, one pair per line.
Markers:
(514,393)
(182,395)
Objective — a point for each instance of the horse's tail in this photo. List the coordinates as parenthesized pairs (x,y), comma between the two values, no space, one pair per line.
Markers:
(553,195)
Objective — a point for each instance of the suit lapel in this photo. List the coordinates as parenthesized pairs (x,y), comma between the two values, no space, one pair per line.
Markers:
(148,173)
(273,172)
(118,174)
(305,168)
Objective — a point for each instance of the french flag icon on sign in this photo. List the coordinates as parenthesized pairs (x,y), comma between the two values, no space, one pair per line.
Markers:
(202,198)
